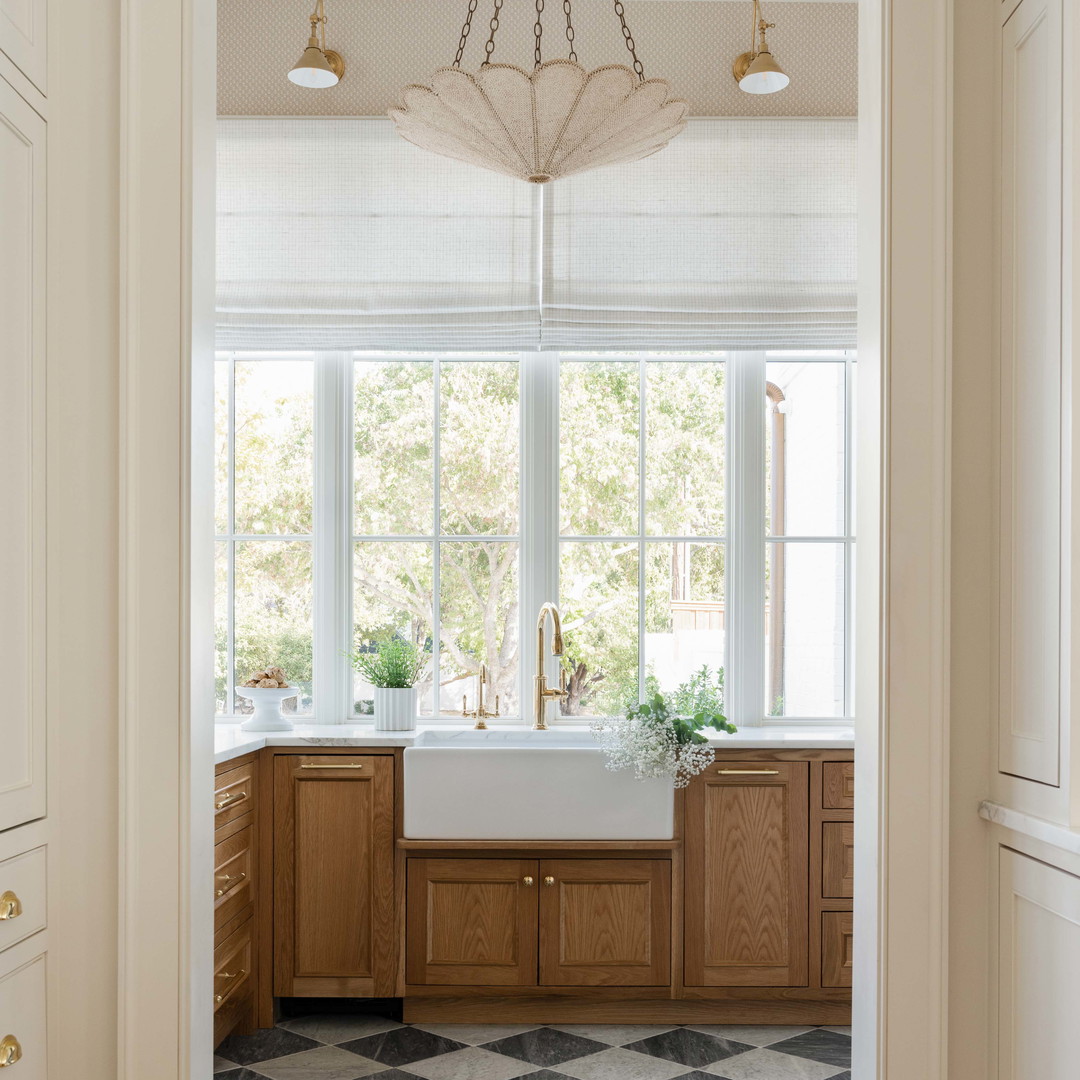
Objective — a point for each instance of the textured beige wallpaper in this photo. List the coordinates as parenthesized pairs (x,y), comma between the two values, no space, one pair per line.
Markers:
(389,43)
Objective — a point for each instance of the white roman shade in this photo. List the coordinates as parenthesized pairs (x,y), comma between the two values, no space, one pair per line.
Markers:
(740,235)
(334,233)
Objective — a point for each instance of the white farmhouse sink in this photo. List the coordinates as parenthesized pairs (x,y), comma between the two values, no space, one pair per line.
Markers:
(527,785)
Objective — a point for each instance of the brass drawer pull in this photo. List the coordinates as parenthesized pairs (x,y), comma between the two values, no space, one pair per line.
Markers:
(549,880)
(350,765)
(232,974)
(528,882)
(748,772)
(10,1051)
(10,906)
(230,883)
(229,800)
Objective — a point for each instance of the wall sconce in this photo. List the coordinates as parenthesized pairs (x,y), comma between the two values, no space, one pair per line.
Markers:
(756,71)
(319,66)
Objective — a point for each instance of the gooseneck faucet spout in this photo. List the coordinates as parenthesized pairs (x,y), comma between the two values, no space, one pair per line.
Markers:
(541,693)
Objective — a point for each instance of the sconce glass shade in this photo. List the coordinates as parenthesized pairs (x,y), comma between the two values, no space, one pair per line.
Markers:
(316,69)
(764,75)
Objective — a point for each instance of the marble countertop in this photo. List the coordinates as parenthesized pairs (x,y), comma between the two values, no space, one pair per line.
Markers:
(230,742)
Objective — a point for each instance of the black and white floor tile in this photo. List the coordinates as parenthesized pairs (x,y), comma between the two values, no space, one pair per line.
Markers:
(349,1047)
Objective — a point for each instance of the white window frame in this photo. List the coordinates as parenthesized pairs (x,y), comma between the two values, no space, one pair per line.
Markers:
(539,538)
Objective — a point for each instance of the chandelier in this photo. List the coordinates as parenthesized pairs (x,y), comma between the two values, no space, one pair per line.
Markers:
(540,125)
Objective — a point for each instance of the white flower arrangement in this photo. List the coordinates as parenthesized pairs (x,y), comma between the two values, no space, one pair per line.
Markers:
(655,743)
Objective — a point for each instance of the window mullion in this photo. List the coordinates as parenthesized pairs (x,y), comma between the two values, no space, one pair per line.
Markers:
(332,595)
(539,555)
(230,525)
(746,547)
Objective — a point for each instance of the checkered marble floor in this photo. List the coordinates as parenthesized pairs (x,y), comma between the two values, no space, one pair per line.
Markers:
(349,1047)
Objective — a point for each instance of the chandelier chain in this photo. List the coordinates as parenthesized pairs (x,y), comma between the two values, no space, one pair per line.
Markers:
(538,30)
(489,47)
(629,38)
(570,30)
(465,32)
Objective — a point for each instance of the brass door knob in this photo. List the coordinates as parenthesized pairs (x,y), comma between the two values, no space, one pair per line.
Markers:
(10,906)
(549,880)
(527,881)
(10,1051)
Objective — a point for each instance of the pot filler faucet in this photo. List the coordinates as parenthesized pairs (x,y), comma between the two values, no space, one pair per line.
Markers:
(542,694)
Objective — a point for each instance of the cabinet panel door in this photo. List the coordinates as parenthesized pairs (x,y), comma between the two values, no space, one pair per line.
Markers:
(22,451)
(836,948)
(605,922)
(837,859)
(22,1008)
(1030,392)
(334,930)
(747,839)
(471,922)
(22,37)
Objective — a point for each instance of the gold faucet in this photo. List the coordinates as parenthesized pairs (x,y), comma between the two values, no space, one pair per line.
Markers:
(480,714)
(542,694)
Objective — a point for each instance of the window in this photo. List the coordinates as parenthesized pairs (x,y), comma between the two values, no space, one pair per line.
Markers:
(696,542)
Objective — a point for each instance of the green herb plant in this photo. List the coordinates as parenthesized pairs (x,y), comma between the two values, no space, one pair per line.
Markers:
(396,664)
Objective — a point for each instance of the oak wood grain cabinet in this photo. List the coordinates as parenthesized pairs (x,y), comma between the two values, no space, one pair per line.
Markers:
(746,884)
(334,925)
(538,922)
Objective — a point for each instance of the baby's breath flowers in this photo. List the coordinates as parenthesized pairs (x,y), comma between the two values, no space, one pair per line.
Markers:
(654,743)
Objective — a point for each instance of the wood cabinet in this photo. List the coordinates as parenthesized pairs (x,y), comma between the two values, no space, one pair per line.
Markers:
(747,834)
(836,948)
(334,924)
(538,922)
(22,450)
(472,922)
(838,859)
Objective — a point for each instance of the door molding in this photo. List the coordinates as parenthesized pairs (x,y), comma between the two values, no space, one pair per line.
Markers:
(166,207)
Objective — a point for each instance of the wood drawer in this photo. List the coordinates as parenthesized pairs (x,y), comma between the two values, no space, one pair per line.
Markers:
(22,1006)
(234,875)
(22,897)
(234,983)
(836,948)
(837,860)
(234,793)
(838,785)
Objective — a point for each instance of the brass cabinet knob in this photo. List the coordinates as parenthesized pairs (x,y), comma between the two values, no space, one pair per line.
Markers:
(10,906)
(10,1051)
(528,881)
(549,880)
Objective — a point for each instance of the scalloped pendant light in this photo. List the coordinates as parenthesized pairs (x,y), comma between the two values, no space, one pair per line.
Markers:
(554,121)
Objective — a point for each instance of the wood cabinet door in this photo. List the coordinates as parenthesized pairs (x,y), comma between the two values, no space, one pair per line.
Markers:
(605,922)
(334,933)
(747,838)
(837,860)
(22,451)
(836,948)
(22,37)
(471,922)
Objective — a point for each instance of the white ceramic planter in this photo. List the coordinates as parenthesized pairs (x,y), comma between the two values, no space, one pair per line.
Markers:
(267,701)
(395,708)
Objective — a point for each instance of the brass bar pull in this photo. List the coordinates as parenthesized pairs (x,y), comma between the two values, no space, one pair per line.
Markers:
(549,880)
(230,883)
(229,800)
(10,906)
(749,772)
(350,765)
(232,974)
(10,1051)
(528,882)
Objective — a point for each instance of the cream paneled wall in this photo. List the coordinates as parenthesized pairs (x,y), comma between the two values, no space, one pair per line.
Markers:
(389,43)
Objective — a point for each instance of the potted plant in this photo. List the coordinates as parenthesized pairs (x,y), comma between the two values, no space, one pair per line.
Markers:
(655,740)
(393,669)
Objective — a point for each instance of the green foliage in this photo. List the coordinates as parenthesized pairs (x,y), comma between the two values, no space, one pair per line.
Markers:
(396,664)
(660,709)
(704,690)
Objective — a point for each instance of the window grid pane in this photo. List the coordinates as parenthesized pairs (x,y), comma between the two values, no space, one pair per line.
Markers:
(458,444)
